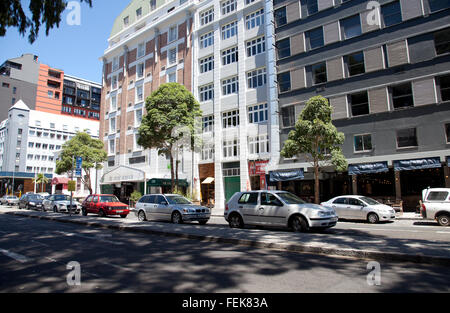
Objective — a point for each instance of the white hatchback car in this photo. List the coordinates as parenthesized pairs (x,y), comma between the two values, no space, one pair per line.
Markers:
(361,208)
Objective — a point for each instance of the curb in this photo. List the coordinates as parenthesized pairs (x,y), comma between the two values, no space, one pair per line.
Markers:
(301,248)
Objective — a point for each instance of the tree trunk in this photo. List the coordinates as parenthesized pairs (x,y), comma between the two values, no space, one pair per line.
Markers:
(317,182)
(176,172)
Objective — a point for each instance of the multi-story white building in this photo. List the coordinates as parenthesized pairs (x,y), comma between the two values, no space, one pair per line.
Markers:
(30,141)
(234,81)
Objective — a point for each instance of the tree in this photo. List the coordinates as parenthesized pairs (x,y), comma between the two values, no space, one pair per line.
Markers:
(42,180)
(317,138)
(90,149)
(43,12)
(172,113)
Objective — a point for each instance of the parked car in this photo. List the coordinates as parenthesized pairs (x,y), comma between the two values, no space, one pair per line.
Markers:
(104,205)
(173,208)
(31,201)
(277,208)
(360,208)
(9,200)
(61,204)
(436,205)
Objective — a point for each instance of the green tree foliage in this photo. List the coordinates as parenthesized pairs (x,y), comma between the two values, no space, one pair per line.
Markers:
(42,180)
(317,139)
(43,12)
(90,149)
(170,123)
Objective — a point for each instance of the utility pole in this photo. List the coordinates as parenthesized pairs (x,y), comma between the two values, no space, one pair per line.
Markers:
(71,192)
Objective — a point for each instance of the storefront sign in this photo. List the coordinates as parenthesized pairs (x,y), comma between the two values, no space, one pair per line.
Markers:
(287,175)
(420,164)
(370,168)
(123,174)
(257,168)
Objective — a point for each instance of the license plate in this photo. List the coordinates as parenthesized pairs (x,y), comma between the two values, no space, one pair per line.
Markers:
(119,211)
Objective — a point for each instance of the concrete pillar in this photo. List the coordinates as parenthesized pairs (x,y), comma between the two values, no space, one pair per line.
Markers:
(398,186)
(447,176)
(355,184)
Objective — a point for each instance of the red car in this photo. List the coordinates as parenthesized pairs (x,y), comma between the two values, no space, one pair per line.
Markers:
(104,205)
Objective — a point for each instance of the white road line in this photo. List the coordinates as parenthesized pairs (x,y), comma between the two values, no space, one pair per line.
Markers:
(89,237)
(443,232)
(18,257)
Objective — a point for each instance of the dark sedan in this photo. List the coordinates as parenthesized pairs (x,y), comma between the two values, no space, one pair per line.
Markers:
(31,202)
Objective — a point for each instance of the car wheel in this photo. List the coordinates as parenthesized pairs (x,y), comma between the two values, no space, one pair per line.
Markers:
(102,213)
(176,218)
(299,224)
(236,221)
(142,217)
(84,212)
(123,216)
(373,218)
(203,222)
(444,220)
(55,210)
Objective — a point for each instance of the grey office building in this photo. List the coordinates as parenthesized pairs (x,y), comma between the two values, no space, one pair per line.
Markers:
(385,68)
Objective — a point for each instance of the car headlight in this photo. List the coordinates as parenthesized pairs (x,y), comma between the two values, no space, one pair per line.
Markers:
(324,213)
(32,203)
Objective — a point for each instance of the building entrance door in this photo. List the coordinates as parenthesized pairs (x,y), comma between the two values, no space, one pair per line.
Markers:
(232,185)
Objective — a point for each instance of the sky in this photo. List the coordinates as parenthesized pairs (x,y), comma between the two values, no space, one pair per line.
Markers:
(76,50)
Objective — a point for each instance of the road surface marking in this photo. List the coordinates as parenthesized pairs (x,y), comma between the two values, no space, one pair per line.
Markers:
(15,256)
(443,232)
(89,237)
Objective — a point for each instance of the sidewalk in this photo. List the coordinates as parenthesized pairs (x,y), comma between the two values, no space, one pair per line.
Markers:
(361,246)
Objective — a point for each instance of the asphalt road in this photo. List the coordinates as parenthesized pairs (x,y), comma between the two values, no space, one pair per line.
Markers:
(34,255)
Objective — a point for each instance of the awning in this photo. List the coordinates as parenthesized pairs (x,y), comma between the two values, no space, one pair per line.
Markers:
(208,181)
(22,175)
(419,164)
(368,168)
(60,181)
(287,175)
(159,182)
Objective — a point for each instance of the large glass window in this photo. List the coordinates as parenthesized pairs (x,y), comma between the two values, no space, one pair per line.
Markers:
(280,17)
(355,64)
(230,86)
(437,5)
(228,6)
(230,119)
(444,84)
(207,16)
(288,116)
(230,56)
(255,19)
(206,40)
(351,26)
(360,103)
(207,64)
(284,48)
(284,81)
(392,13)
(319,72)
(258,113)
(315,38)
(402,96)
(363,143)
(312,6)
(256,46)
(256,78)
(229,30)
(206,93)
(442,41)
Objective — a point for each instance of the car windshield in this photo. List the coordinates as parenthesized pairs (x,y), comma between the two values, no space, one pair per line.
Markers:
(289,198)
(178,200)
(370,201)
(35,197)
(109,199)
(62,198)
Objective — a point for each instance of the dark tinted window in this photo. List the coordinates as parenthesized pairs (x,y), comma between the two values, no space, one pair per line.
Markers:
(319,72)
(355,63)
(442,41)
(436,5)
(284,48)
(340,201)
(249,198)
(402,96)
(407,138)
(284,81)
(360,103)
(270,199)
(280,17)
(160,200)
(444,83)
(356,202)
(392,13)
(316,38)
(437,196)
(351,26)
(151,199)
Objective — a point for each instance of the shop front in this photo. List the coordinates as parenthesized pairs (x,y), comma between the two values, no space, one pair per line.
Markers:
(21,183)
(413,176)
(207,184)
(257,174)
(122,182)
(164,185)
(294,182)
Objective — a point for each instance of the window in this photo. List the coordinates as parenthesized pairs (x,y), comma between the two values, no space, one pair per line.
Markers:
(114,82)
(259,144)
(173,56)
(442,41)
(139,93)
(447,132)
(230,86)
(407,138)
(229,30)
(392,13)
(231,148)
(363,143)
(113,104)
(230,56)
(402,96)
(112,125)
(359,103)
(50,94)
(355,64)
(140,71)
(315,38)
(173,33)
(319,72)
(444,84)
(207,64)
(112,146)
(288,116)
(172,78)
(256,46)
(139,13)
(206,40)
(437,5)
(312,6)
(207,16)
(437,196)
(208,152)
(126,21)
(258,113)
(255,19)
(284,48)
(280,17)
(228,6)
(249,198)
(141,50)
(138,117)
(256,78)
(5,85)
(137,147)
(230,119)
(206,93)
(284,81)
(208,124)
(115,64)
(351,26)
